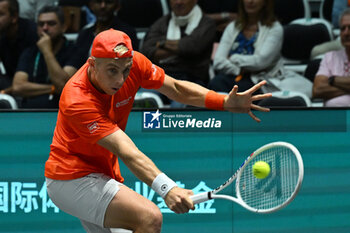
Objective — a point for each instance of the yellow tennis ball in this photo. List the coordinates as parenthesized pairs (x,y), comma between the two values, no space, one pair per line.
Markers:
(261,169)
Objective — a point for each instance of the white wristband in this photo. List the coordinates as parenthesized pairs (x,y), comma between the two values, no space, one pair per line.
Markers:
(162,184)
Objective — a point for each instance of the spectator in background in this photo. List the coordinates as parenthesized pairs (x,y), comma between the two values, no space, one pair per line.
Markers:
(44,68)
(77,14)
(319,50)
(142,14)
(16,34)
(221,11)
(181,43)
(29,9)
(332,81)
(250,51)
(338,7)
(105,12)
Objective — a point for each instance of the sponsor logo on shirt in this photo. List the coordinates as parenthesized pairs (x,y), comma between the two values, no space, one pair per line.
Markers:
(123,102)
(92,127)
(154,70)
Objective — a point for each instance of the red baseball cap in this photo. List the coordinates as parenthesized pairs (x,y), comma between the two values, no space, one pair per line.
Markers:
(105,43)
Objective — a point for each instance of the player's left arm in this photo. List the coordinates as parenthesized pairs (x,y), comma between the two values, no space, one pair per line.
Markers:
(193,94)
(177,199)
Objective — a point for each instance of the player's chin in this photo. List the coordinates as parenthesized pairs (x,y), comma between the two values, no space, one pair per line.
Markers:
(113,91)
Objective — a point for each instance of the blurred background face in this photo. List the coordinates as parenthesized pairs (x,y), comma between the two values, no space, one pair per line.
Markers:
(182,7)
(49,23)
(345,30)
(104,9)
(6,20)
(253,7)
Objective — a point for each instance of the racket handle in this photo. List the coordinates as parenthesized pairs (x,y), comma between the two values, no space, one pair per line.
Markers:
(201,197)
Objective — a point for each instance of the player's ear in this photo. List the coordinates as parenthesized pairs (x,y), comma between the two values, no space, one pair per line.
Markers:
(91,61)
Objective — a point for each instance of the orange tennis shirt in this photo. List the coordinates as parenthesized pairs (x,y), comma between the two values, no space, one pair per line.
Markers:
(85,116)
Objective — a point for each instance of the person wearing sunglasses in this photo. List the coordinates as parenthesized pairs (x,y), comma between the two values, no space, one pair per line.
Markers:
(44,68)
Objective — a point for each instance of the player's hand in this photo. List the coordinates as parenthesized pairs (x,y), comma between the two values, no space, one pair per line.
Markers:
(179,201)
(242,102)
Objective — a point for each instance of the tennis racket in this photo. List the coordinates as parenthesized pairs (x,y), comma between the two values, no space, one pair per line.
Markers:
(266,195)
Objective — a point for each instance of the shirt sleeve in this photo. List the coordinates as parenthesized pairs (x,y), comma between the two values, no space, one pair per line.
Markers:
(221,62)
(151,75)
(89,122)
(325,65)
(24,61)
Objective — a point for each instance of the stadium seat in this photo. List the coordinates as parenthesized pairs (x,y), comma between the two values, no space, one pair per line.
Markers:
(7,102)
(311,69)
(325,10)
(289,10)
(286,99)
(300,37)
(147,99)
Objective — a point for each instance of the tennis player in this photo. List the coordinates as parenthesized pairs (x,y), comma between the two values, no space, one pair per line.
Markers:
(82,172)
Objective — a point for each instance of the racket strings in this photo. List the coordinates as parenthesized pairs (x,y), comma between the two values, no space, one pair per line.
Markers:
(275,189)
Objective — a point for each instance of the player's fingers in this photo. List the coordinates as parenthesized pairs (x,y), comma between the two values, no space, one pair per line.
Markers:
(189,203)
(261,96)
(253,116)
(256,87)
(181,209)
(259,108)
(233,91)
(189,200)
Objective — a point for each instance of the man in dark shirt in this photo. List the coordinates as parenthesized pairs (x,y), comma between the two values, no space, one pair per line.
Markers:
(16,34)
(104,10)
(44,68)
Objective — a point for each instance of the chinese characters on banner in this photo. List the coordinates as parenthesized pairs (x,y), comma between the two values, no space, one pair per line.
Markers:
(29,196)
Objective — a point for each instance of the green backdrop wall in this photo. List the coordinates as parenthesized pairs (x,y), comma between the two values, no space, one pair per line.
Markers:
(199,154)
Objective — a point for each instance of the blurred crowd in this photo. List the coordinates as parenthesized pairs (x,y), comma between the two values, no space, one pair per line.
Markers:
(218,44)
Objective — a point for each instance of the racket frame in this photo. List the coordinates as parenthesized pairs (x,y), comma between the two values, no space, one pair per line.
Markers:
(201,197)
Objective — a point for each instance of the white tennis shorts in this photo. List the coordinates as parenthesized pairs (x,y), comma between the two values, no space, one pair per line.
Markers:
(86,198)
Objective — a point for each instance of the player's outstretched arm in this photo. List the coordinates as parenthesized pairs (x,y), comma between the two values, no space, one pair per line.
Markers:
(177,199)
(193,94)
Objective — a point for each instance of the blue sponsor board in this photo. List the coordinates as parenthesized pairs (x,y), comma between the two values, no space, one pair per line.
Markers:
(197,158)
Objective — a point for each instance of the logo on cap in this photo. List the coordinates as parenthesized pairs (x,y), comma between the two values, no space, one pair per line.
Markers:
(121,51)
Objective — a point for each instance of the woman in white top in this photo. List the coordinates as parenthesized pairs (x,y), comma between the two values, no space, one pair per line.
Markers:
(250,50)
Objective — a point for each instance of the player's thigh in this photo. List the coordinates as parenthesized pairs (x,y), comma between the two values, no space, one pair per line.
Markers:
(131,210)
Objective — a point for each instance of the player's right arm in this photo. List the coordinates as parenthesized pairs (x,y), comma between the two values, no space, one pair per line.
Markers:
(143,167)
